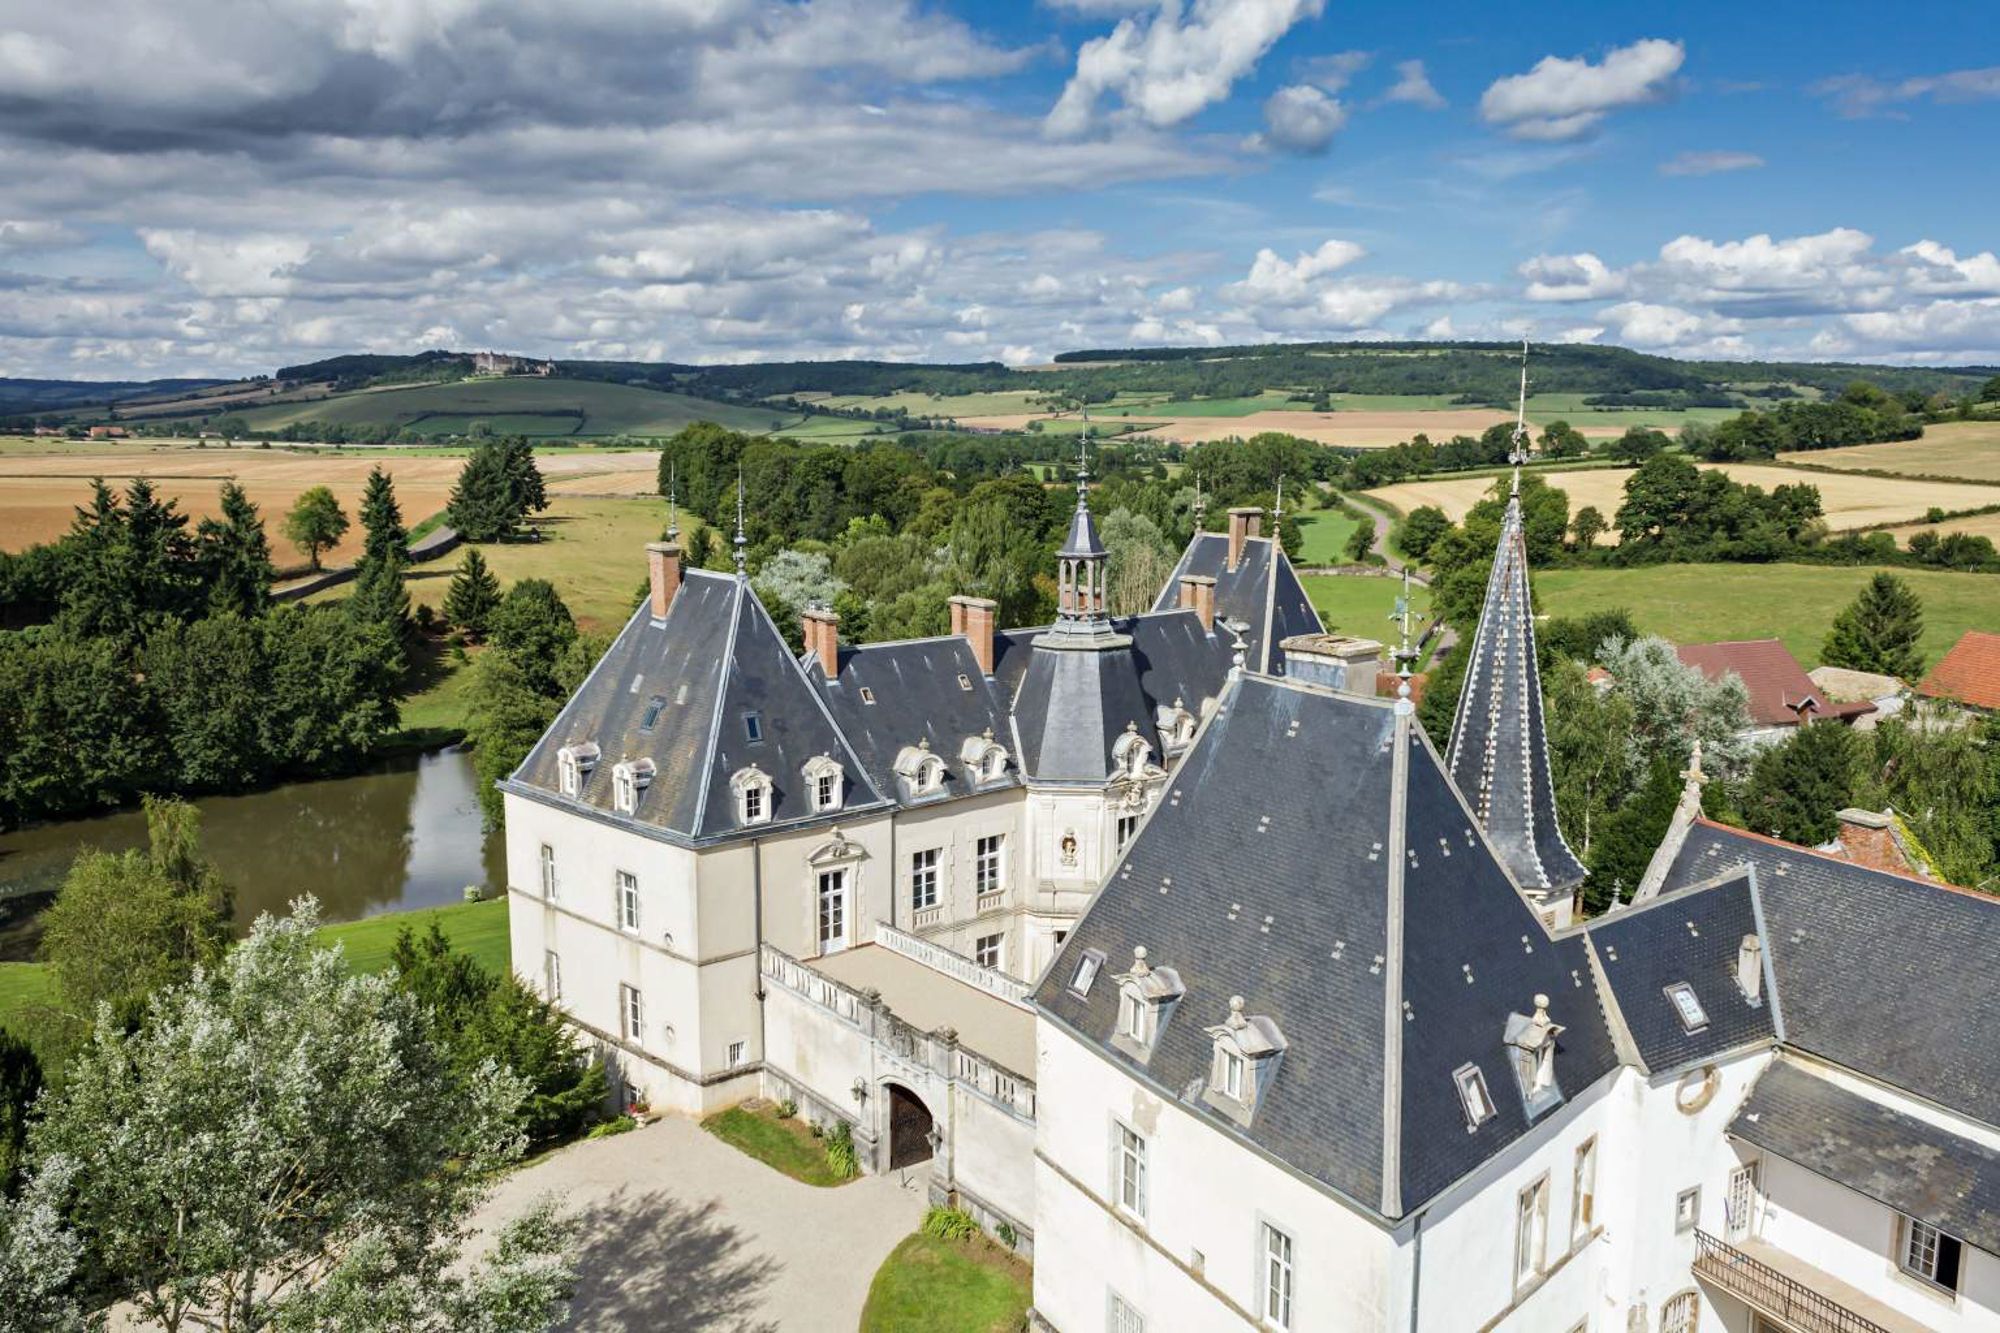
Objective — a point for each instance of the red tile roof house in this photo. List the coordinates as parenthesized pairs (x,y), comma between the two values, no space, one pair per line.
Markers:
(1969,674)
(1782,695)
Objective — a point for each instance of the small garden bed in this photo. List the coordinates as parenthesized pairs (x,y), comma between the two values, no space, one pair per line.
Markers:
(943,1284)
(783,1142)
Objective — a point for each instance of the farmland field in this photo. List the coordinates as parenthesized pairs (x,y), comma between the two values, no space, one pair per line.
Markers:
(1969,449)
(1851,502)
(528,406)
(1796,603)
(1361,605)
(935,405)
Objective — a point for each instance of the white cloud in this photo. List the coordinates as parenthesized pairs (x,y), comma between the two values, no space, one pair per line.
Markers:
(1694,163)
(1857,95)
(1566,98)
(1335,70)
(1760,265)
(1274,280)
(1931,268)
(253,265)
(1664,327)
(1414,86)
(35,234)
(1166,67)
(1302,119)
(1578,277)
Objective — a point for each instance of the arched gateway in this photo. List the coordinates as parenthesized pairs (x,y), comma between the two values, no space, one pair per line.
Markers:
(909,1128)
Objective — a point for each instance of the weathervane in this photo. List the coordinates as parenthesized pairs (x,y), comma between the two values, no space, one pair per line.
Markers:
(742,558)
(1278,515)
(1519,453)
(673,502)
(1200,503)
(1404,653)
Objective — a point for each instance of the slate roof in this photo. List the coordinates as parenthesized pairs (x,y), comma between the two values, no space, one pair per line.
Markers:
(1691,937)
(1262,591)
(1499,745)
(1267,871)
(1914,1166)
(1882,974)
(916,692)
(1969,673)
(715,660)
(1780,690)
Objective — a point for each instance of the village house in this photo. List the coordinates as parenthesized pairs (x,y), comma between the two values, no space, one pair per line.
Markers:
(1969,674)
(1782,695)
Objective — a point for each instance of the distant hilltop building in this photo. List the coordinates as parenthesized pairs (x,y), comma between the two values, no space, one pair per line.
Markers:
(499,363)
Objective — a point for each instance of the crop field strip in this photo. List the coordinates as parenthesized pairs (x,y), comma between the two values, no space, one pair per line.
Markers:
(1968,449)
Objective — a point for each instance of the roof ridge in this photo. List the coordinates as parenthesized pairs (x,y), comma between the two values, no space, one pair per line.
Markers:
(1392,968)
(727,666)
(1843,861)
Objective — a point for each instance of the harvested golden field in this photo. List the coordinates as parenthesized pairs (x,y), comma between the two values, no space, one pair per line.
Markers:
(1978,525)
(1358,430)
(1851,502)
(39,493)
(1969,449)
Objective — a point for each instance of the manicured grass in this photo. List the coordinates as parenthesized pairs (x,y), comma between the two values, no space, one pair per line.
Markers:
(1324,533)
(783,1145)
(947,1286)
(1360,605)
(1796,603)
(530,406)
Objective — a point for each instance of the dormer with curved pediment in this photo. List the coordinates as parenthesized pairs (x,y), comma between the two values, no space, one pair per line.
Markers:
(826,783)
(753,790)
(574,764)
(921,772)
(629,780)
(1176,726)
(983,758)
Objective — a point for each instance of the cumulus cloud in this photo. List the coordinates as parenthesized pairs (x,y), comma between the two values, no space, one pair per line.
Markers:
(1166,67)
(1414,86)
(1858,95)
(1567,98)
(1578,277)
(1759,265)
(35,234)
(1302,119)
(1692,163)
(1272,279)
(1664,327)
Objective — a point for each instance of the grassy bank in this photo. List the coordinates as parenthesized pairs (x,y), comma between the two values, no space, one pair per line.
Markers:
(783,1143)
(1359,605)
(947,1286)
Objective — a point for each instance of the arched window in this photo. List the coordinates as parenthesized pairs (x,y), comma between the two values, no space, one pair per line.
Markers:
(627,781)
(825,783)
(573,765)
(753,795)
(1682,1314)
(1130,752)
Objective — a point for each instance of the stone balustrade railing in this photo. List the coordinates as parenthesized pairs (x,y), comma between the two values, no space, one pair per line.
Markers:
(954,965)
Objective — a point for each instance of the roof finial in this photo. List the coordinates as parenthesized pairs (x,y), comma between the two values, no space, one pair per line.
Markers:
(1083,467)
(673,501)
(1278,514)
(742,542)
(1200,503)
(1519,453)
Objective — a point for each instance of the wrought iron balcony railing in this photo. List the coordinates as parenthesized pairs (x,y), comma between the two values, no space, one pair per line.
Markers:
(1778,1295)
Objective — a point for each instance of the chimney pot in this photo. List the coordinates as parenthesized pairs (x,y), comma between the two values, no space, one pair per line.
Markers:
(663,573)
(1198,596)
(1245,522)
(822,633)
(972,617)
(1750,967)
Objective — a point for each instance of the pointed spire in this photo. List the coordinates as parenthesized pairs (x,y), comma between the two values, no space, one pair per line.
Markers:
(1519,453)
(1405,654)
(742,542)
(673,501)
(1499,755)
(1080,564)
(1200,503)
(1278,514)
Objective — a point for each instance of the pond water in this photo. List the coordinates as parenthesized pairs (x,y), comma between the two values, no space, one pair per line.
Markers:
(404,835)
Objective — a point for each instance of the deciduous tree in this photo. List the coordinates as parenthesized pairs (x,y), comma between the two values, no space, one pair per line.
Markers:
(316,523)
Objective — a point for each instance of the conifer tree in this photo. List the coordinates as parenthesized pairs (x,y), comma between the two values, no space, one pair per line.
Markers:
(236,556)
(483,507)
(1879,630)
(1796,789)
(473,594)
(382,517)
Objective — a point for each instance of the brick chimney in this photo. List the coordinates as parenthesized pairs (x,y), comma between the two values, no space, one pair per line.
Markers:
(822,634)
(973,617)
(663,570)
(1245,522)
(1869,838)
(1198,596)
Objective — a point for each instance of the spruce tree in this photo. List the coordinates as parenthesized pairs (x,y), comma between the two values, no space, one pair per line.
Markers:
(474,592)
(524,479)
(482,506)
(382,517)
(236,556)
(1796,789)
(1879,631)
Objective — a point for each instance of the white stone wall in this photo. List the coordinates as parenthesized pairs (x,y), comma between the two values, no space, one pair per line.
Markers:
(961,917)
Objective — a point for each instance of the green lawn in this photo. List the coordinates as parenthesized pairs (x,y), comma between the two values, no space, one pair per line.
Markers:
(783,1145)
(947,1286)
(531,406)
(478,928)
(1324,534)
(1796,603)
(1360,605)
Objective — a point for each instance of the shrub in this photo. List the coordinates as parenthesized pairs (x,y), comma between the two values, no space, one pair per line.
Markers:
(623,1124)
(950,1224)
(840,1152)
(1007,1235)
(787,1109)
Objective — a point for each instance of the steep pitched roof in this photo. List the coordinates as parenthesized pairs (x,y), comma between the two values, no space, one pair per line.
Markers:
(1263,591)
(1781,693)
(1499,746)
(1969,673)
(1876,972)
(917,690)
(715,662)
(1311,856)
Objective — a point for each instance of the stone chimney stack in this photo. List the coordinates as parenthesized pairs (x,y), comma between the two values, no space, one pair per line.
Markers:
(663,569)
(1198,596)
(972,617)
(1245,522)
(822,632)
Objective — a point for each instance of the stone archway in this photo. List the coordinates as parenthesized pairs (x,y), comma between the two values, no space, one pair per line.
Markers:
(909,1127)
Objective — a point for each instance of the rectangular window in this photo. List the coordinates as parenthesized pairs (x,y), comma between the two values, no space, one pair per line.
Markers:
(986,864)
(832,909)
(1531,1231)
(1131,1173)
(631,1014)
(1687,1209)
(924,878)
(628,900)
(1125,1317)
(737,1052)
(1132,1017)
(986,951)
(753,728)
(826,791)
(1473,1098)
(652,714)
(1693,1017)
(548,872)
(1277,1277)
(552,976)
(1740,1201)
(753,804)
(1930,1254)
(1127,826)
(1086,971)
(1229,1073)
(1583,1191)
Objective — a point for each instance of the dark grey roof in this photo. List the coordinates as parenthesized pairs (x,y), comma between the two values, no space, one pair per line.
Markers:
(1266,596)
(713,662)
(1073,705)
(1879,973)
(1265,872)
(1693,938)
(916,692)
(1499,748)
(1082,539)
(1918,1168)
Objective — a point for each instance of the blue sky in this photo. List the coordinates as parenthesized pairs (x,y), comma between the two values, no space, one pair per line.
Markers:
(710,180)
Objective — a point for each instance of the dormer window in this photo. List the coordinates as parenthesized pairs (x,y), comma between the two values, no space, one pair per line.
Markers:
(1146,997)
(627,781)
(920,769)
(753,795)
(984,758)
(1130,753)
(1688,1006)
(1247,1047)
(1532,1044)
(1750,969)
(573,766)
(824,782)
(1087,968)
(1473,1098)
(1176,727)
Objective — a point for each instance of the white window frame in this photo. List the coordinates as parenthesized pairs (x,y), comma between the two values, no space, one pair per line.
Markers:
(569,773)
(826,791)
(755,802)
(552,976)
(1687,1209)
(1681,1313)
(1475,1099)
(1087,968)
(1128,1170)
(631,1014)
(924,876)
(1531,1232)
(624,789)
(989,864)
(548,872)
(1132,1016)
(1278,1256)
(1229,1072)
(1687,1006)
(981,953)
(1739,1200)
(1920,1247)
(1121,1316)
(738,1054)
(626,885)
(1583,1190)
(826,784)
(832,888)
(1128,829)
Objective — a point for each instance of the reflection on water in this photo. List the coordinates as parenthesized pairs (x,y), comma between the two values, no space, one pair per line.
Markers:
(406,835)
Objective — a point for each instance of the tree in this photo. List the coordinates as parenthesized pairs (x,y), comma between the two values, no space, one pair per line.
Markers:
(40,1258)
(497,488)
(1138,561)
(507,715)
(1562,440)
(1588,759)
(1630,834)
(20,1084)
(1674,704)
(1989,392)
(1878,631)
(236,556)
(1943,781)
(316,523)
(792,580)
(1361,543)
(532,627)
(1797,788)
(474,593)
(282,1133)
(1638,444)
(333,686)
(382,519)
(1421,530)
(1588,526)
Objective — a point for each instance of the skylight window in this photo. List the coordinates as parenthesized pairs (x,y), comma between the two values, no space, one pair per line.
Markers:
(652,714)
(1473,1098)
(867,695)
(753,727)
(964,682)
(1693,1017)
(1086,971)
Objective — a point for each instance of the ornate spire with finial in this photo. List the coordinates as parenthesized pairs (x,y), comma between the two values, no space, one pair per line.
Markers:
(742,542)
(1080,564)
(673,502)
(1405,654)
(1278,514)
(1200,503)
(1518,454)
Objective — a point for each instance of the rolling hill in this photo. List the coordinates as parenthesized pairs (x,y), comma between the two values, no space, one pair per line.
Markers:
(540,408)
